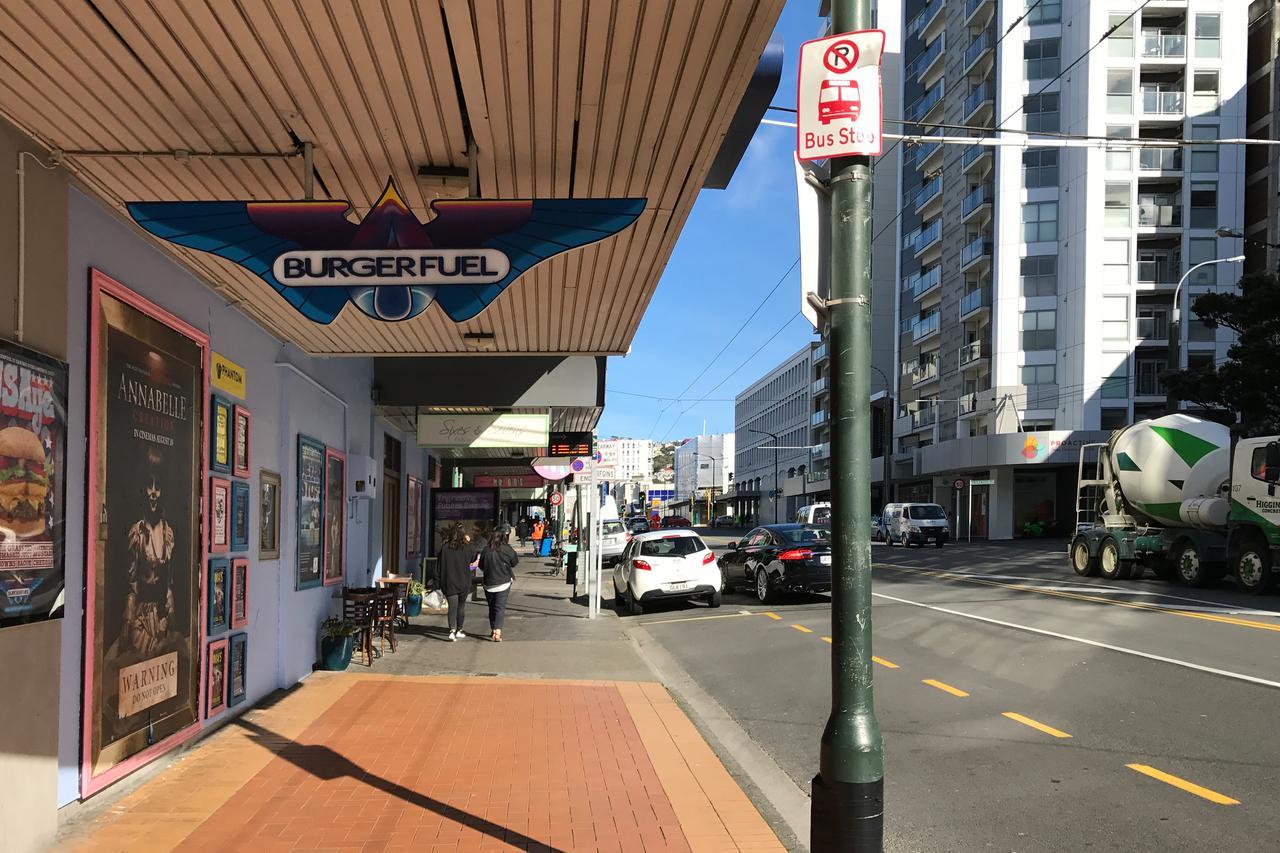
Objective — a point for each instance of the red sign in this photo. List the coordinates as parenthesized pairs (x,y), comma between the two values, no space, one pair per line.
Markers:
(509,481)
(556,499)
(838,97)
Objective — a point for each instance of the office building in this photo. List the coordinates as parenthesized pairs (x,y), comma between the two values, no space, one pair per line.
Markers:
(1262,121)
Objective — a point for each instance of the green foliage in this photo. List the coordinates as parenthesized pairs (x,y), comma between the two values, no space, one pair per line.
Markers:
(1247,381)
(417,588)
(336,628)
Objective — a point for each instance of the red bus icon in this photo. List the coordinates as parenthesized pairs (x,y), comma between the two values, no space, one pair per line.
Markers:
(839,99)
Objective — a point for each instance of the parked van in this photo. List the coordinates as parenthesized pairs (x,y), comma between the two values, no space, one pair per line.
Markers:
(915,524)
(819,514)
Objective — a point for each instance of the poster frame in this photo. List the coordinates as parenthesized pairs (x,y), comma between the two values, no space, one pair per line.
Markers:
(239,533)
(413,518)
(239,650)
(218,546)
(299,584)
(239,579)
(241,467)
(333,453)
(268,477)
(101,284)
(215,628)
(216,404)
(210,709)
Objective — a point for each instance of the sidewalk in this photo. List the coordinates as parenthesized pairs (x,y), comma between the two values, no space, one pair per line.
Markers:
(381,760)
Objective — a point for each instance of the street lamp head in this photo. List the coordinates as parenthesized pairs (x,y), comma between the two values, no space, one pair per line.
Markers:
(1228,232)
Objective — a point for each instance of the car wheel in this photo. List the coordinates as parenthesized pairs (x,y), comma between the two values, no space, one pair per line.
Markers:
(634,605)
(764,587)
(1084,563)
(1191,568)
(619,599)
(1253,566)
(713,600)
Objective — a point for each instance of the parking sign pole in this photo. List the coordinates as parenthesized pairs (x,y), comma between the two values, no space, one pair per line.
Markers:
(848,792)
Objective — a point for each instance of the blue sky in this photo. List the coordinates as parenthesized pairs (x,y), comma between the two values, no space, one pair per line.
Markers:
(735,246)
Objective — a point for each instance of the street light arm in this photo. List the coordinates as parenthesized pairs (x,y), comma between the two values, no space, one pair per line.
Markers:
(1177,303)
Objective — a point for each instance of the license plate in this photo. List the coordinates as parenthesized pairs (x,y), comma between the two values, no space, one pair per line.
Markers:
(678,585)
(825,559)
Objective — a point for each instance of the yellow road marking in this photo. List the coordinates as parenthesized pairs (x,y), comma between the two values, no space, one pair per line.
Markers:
(1132,605)
(773,616)
(803,629)
(695,618)
(1189,787)
(826,639)
(945,688)
(888,664)
(1027,721)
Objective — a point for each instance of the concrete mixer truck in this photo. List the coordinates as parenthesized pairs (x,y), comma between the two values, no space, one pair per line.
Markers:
(1175,496)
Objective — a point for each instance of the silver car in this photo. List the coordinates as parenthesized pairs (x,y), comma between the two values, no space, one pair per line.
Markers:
(614,540)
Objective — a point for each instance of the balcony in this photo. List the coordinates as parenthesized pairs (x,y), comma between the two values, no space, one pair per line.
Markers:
(925,326)
(926,281)
(820,352)
(978,101)
(925,371)
(975,302)
(925,152)
(968,404)
(929,237)
(924,105)
(1163,102)
(1159,212)
(974,354)
(818,418)
(1156,268)
(1149,383)
(929,22)
(819,386)
(978,158)
(1153,328)
(929,61)
(930,192)
(978,49)
(924,416)
(1163,44)
(972,8)
(1160,159)
(977,201)
(974,252)
(822,451)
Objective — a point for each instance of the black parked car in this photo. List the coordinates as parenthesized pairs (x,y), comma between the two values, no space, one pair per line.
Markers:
(779,558)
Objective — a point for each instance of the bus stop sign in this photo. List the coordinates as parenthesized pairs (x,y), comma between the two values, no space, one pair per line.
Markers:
(838,102)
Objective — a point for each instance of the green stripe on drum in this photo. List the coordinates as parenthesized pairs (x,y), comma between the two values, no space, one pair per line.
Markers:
(1192,448)
(1126,462)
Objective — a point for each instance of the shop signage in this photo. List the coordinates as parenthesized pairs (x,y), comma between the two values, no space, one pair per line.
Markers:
(390,265)
(838,103)
(226,375)
(569,444)
(508,481)
(551,468)
(474,510)
(479,431)
(33,447)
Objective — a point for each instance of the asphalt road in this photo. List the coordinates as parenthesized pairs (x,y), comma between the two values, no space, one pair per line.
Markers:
(1022,708)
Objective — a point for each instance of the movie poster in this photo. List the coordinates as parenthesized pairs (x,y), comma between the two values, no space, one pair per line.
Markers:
(146,595)
(335,482)
(33,449)
(475,509)
(310,511)
(413,514)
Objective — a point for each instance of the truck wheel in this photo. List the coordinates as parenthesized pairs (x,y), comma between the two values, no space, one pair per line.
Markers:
(1191,569)
(1253,566)
(1084,563)
(1109,563)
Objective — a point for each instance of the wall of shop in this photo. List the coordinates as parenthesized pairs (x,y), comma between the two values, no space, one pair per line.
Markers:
(287,392)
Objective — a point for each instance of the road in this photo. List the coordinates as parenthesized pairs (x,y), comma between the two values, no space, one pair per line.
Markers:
(1023,708)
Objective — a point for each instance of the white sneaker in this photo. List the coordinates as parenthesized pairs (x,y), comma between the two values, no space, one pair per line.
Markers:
(461,636)
(453,636)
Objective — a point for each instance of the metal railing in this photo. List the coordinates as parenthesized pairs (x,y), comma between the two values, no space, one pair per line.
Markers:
(932,189)
(926,16)
(1160,159)
(924,416)
(926,325)
(926,102)
(971,352)
(1155,214)
(927,58)
(968,403)
(985,92)
(972,155)
(972,6)
(820,351)
(819,385)
(1163,44)
(822,451)
(928,236)
(976,248)
(979,196)
(973,300)
(925,281)
(1162,101)
(924,371)
(818,418)
(980,44)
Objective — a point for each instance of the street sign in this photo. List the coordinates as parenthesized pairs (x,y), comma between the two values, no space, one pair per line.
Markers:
(982,482)
(958,485)
(556,499)
(838,100)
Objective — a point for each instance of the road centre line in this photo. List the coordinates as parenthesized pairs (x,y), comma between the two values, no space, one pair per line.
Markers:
(773,616)
(1239,676)
(1132,605)
(699,618)
(1190,787)
(945,688)
(802,628)
(1027,721)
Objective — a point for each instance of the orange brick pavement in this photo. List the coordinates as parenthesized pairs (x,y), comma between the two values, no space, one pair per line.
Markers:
(352,762)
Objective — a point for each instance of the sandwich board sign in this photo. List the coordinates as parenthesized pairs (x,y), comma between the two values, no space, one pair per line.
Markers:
(838,101)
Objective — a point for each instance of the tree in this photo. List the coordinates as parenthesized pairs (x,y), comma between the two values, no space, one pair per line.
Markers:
(1248,381)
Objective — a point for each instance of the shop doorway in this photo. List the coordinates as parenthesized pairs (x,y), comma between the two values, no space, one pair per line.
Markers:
(391,467)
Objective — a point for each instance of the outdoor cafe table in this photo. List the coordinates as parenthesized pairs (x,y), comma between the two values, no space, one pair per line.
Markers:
(402,594)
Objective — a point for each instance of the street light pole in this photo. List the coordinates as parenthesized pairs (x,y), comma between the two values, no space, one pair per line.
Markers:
(714,480)
(847,807)
(1174,357)
(777,491)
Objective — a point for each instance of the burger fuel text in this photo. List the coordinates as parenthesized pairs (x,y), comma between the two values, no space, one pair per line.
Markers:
(373,267)
(26,391)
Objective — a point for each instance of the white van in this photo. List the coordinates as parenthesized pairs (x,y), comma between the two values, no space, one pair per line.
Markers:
(915,524)
(818,514)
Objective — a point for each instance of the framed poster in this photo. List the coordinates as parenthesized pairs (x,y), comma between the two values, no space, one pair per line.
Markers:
(475,509)
(335,520)
(241,420)
(219,515)
(310,511)
(144,608)
(33,437)
(238,670)
(216,598)
(216,679)
(239,515)
(220,435)
(239,592)
(413,513)
(268,515)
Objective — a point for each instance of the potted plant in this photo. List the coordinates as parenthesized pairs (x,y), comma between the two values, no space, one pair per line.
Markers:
(337,642)
(413,602)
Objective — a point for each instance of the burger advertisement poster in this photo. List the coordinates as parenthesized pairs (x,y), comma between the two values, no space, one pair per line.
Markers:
(33,446)
(144,626)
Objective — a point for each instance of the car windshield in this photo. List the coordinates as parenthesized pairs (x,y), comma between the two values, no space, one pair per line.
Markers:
(675,546)
(611,527)
(925,511)
(806,534)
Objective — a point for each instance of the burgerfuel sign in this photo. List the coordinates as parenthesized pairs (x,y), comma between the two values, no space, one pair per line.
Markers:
(389,264)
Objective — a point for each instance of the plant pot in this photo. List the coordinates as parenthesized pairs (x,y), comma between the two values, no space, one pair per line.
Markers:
(413,605)
(335,653)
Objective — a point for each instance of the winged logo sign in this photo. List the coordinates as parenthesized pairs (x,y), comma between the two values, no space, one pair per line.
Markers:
(389,265)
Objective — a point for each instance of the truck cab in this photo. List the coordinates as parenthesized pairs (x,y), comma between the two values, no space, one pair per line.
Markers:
(1255,512)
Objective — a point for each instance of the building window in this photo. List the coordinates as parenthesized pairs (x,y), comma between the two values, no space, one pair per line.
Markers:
(1042,112)
(1204,93)
(1039,330)
(1114,418)
(1117,201)
(1044,12)
(1116,386)
(1040,167)
(1120,93)
(1042,58)
(1199,250)
(1120,40)
(1115,318)
(1208,36)
(1040,275)
(1038,374)
(1204,204)
(1119,159)
(1040,222)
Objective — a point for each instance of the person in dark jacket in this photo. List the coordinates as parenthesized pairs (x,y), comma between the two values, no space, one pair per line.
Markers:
(522,531)
(455,561)
(497,561)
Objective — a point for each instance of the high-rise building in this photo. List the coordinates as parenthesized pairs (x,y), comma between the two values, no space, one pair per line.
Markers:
(1262,121)
(704,471)
(629,459)
(1037,282)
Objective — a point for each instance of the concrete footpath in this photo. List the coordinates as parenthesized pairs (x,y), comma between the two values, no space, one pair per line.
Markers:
(555,739)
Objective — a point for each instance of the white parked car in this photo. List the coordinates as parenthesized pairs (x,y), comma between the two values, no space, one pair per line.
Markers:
(666,564)
(614,539)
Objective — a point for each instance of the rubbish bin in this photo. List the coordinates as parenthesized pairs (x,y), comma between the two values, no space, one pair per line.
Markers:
(544,546)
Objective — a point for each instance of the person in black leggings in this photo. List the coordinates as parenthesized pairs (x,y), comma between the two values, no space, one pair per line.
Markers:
(456,558)
(498,561)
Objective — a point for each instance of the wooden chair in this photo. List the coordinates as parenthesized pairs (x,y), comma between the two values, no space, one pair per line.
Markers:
(384,617)
(359,606)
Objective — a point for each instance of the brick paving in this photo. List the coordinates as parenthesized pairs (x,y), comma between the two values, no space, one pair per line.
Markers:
(439,763)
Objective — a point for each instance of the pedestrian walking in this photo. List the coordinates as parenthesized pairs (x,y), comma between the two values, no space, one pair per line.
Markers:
(539,530)
(522,531)
(497,561)
(456,559)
